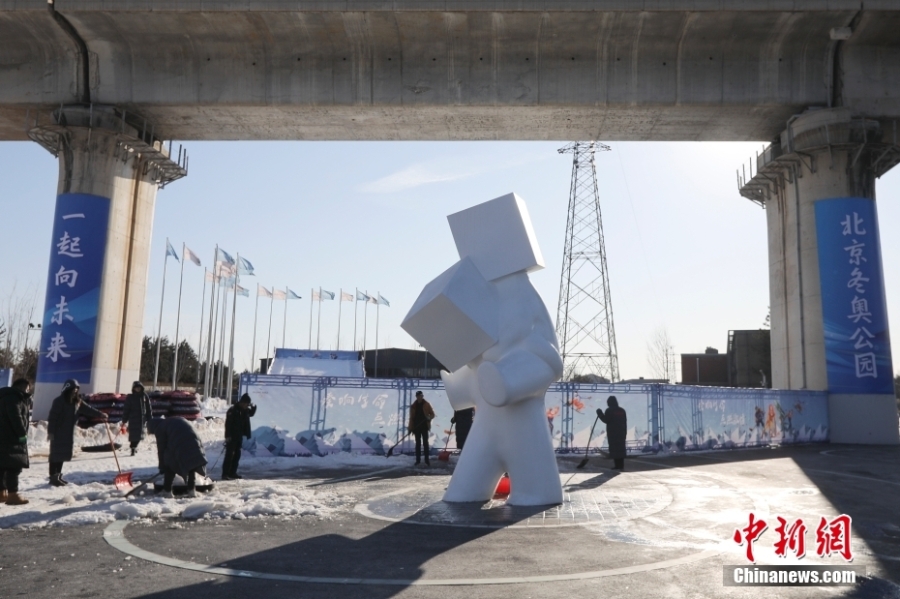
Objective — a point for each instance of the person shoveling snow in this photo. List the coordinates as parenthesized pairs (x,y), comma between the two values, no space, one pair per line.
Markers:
(180,452)
(61,424)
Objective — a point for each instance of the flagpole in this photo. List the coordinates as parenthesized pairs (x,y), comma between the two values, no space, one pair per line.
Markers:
(214,371)
(365,327)
(284,326)
(221,378)
(237,280)
(255,315)
(377,320)
(162,299)
(340,305)
(200,341)
(214,375)
(355,310)
(311,296)
(319,323)
(365,320)
(209,338)
(269,339)
(178,322)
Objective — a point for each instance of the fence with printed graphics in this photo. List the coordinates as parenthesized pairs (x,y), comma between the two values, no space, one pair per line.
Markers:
(352,414)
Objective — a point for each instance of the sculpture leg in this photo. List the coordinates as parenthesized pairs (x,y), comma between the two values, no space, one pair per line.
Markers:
(479,468)
(530,459)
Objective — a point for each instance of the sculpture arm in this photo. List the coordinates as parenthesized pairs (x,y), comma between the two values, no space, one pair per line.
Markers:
(461,387)
(527,370)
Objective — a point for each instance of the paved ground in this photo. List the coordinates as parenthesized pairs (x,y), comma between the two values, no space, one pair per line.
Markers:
(661,529)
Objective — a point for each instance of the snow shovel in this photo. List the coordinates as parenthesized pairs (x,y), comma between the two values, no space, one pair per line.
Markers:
(143,485)
(391,450)
(584,462)
(123,479)
(444,456)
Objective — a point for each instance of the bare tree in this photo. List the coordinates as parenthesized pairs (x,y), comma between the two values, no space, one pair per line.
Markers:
(17,311)
(661,355)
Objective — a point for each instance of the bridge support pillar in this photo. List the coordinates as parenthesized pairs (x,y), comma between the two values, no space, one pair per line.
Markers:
(110,168)
(829,327)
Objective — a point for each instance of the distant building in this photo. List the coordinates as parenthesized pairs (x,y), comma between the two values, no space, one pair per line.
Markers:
(749,358)
(748,362)
(396,363)
(709,368)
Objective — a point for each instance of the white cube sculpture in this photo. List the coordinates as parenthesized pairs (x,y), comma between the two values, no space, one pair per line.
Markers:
(497,235)
(485,321)
(456,316)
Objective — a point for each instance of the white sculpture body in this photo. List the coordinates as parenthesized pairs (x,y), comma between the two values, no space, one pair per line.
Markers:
(506,384)
(484,320)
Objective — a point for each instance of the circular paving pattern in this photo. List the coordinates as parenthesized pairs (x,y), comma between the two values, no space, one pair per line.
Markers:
(587,499)
(668,511)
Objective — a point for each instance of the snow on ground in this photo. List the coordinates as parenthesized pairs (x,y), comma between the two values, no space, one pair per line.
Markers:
(90,498)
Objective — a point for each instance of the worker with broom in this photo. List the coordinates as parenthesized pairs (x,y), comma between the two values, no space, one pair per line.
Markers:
(136,414)
(61,423)
(616,429)
(420,416)
(180,452)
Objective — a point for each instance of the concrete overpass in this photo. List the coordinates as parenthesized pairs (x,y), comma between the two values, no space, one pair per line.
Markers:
(451,69)
(101,84)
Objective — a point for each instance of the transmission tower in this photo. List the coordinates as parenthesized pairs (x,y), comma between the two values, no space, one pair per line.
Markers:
(584,318)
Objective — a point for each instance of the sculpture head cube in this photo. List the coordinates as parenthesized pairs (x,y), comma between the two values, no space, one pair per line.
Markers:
(497,235)
(457,315)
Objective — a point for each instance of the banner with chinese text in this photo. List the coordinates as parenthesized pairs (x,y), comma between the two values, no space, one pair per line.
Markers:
(73,288)
(857,343)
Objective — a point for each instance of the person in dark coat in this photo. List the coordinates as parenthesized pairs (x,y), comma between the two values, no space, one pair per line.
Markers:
(136,414)
(179,450)
(463,421)
(15,412)
(237,427)
(616,429)
(420,416)
(61,423)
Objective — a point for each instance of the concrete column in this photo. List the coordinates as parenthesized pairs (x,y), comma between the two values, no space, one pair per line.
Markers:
(118,166)
(823,154)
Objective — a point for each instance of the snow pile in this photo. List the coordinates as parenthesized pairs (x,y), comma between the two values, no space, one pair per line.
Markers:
(97,503)
(90,498)
(214,406)
(269,499)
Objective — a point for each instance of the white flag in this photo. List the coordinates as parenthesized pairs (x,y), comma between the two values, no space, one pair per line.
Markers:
(209,277)
(279,294)
(223,269)
(316,297)
(346,297)
(189,255)
(262,291)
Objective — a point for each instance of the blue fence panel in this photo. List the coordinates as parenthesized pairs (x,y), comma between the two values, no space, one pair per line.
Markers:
(353,414)
(724,417)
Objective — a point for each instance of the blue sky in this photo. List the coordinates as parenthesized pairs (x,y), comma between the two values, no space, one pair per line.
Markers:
(685,251)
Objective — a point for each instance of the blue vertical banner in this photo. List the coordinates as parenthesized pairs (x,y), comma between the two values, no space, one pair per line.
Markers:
(857,341)
(73,288)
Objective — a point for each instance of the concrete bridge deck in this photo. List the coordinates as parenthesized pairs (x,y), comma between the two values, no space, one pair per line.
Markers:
(406,69)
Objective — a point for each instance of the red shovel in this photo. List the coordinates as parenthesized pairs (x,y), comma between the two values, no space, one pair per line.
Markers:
(444,456)
(123,479)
